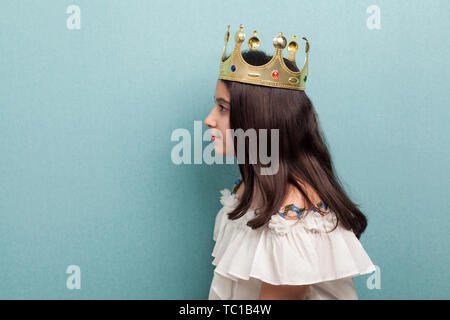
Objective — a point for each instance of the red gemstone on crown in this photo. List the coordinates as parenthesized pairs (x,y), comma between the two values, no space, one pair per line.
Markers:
(275,74)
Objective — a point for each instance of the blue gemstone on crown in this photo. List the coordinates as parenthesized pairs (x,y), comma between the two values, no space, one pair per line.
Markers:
(233,68)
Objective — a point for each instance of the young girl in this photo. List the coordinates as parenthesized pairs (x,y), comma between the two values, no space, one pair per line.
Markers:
(293,234)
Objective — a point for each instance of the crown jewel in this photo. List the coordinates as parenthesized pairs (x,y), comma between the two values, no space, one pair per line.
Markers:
(274,73)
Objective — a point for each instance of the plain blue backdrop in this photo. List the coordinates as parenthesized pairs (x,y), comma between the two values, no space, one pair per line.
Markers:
(86,117)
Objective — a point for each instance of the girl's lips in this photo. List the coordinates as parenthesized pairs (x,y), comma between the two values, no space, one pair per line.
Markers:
(214,137)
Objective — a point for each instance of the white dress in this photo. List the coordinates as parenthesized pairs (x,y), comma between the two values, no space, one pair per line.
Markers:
(290,252)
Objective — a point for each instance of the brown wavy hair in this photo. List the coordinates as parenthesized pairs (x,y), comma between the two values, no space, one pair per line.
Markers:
(303,152)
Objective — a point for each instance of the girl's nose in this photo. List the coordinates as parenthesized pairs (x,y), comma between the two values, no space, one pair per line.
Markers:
(209,121)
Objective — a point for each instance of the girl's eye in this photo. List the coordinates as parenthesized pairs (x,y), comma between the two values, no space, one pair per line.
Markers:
(222,108)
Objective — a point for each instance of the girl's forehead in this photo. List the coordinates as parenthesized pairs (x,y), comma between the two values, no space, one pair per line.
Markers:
(221,88)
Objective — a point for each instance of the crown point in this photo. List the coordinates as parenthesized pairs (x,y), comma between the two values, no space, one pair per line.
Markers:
(227,34)
(253,42)
(279,41)
(307,45)
(240,35)
(293,46)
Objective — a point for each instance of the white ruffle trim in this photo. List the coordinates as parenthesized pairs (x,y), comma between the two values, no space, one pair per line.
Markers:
(311,221)
(293,252)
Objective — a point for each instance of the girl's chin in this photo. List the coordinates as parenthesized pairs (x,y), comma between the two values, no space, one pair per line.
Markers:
(219,151)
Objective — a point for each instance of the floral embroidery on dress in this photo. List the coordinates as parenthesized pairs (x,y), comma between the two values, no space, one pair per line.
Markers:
(289,211)
(236,185)
(292,212)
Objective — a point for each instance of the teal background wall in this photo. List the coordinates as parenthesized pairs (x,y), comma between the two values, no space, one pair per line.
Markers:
(86,117)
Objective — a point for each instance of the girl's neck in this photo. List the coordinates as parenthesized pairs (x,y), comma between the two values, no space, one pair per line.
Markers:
(257,199)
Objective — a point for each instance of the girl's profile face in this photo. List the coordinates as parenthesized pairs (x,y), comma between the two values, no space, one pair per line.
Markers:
(219,121)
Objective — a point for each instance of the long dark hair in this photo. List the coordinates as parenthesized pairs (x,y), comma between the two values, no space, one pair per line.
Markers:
(303,152)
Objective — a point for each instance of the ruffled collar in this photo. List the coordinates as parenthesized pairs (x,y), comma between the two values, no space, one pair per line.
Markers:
(310,220)
(228,199)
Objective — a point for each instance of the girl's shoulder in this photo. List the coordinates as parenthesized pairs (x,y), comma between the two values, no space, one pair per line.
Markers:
(294,200)
(295,203)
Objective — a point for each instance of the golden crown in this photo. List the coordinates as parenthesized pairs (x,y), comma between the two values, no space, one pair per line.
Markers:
(274,73)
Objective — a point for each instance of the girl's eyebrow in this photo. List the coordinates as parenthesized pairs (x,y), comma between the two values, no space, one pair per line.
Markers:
(222,100)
